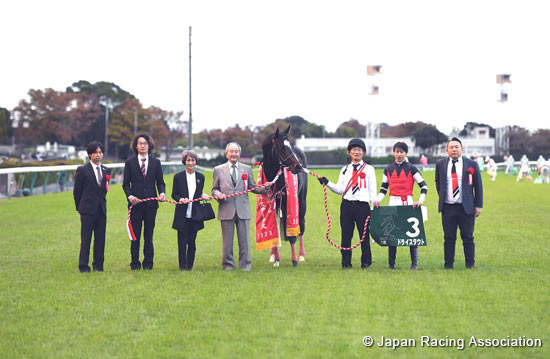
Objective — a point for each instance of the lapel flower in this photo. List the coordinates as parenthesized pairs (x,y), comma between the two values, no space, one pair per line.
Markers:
(362,175)
(244,176)
(471,170)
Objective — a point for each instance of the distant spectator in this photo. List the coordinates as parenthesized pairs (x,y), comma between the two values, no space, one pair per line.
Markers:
(509,164)
(524,169)
(423,162)
(491,168)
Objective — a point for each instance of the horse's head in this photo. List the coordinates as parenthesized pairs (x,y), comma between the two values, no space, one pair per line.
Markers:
(282,149)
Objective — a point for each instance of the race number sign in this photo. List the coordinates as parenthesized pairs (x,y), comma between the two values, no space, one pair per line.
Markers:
(397,226)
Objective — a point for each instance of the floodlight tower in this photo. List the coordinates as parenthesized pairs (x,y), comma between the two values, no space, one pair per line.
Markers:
(502,139)
(372,129)
(502,80)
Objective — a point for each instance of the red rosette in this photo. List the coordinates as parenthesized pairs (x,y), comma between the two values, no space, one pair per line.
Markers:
(362,175)
(107,179)
(470,173)
(245,180)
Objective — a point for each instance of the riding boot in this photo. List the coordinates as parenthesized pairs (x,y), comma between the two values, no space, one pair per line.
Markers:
(392,251)
(414,257)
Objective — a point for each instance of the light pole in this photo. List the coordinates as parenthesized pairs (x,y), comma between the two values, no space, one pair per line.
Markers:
(373,129)
(108,103)
(190,123)
(502,139)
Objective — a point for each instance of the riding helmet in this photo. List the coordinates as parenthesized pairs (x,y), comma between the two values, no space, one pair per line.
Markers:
(357,142)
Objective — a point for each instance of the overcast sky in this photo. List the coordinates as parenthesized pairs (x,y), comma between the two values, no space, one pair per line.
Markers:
(256,61)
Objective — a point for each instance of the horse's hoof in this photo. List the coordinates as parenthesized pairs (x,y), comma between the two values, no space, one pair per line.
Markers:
(276,264)
(302,259)
(272,258)
(295,263)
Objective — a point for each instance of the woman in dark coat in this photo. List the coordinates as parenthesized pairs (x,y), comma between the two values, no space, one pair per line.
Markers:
(185,183)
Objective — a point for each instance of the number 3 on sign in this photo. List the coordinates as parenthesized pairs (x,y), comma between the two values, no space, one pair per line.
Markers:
(414,222)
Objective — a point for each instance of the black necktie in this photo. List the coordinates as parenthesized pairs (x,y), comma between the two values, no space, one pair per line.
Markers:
(234,175)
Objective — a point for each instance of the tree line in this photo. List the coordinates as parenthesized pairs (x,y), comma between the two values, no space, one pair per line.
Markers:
(76,116)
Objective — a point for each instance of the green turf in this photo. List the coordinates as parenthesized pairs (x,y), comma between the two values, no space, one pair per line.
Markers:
(317,310)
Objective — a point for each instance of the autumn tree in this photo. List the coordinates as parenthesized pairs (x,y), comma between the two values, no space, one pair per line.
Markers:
(540,143)
(470,126)
(58,116)
(5,125)
(428,136)
(406,129)
(351,128)
(109,94)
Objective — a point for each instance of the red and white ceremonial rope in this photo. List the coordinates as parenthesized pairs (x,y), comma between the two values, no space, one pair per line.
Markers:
(330,222)
(131,234)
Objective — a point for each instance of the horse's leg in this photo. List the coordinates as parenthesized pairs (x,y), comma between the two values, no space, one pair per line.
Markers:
(275,256)
(292,241)
(272,257)
(302,249)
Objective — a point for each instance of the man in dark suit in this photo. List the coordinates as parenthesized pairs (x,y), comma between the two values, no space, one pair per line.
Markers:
(90,190)
(458,183)
(142,177)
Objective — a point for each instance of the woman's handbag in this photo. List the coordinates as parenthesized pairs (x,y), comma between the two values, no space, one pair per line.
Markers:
(202,211)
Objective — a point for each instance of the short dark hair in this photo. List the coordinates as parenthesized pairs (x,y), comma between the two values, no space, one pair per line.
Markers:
(92,147)
(149,139)
(402,146)
(189,153)
(454,139)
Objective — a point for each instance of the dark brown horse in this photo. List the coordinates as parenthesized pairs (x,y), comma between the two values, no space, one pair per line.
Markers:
(279,152)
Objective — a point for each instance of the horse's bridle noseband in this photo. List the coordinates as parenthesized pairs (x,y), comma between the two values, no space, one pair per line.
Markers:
(283,160)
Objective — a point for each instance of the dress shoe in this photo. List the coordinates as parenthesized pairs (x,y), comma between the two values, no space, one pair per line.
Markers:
(414,267)
(84,269)
(365,266)
(391,266)
(98,269)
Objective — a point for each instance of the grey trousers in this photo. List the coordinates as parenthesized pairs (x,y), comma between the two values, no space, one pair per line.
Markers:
(243,236)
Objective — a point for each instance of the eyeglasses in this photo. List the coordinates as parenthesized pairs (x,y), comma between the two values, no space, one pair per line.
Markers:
(143,143)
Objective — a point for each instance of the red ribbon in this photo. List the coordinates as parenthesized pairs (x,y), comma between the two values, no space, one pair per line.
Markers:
(245,180)
(107,179)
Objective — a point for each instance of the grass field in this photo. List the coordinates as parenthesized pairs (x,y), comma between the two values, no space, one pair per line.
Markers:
(50,310)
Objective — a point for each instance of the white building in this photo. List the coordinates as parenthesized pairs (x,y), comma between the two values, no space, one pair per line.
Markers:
(477,140)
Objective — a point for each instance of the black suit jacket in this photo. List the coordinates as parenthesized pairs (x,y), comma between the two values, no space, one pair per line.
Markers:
(179,190)
(88,196)
(134,184)
(472,194)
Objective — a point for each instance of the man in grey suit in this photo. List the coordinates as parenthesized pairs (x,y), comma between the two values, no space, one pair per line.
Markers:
(234,211)
(458,183)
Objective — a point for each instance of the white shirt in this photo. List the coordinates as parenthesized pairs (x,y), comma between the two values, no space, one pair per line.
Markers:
(139,157)
(458,165)
(94,166)
(367,185)
(191,187)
